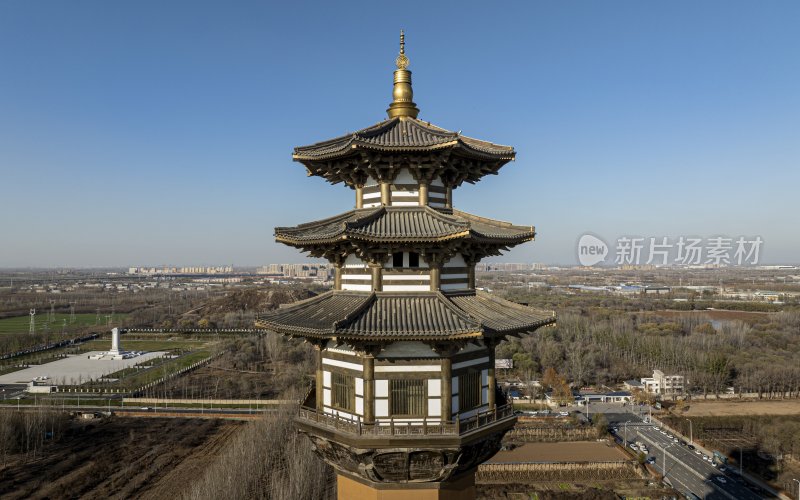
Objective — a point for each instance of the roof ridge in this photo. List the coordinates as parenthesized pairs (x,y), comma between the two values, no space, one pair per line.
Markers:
(287,307)
(457,310)
(432,129)
(376,129)
(478,218)
(355,313)
(315,223)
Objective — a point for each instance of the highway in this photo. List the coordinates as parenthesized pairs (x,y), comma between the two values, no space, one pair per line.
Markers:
(683,467)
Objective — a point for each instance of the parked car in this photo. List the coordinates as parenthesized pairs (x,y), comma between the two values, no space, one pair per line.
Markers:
(691,446)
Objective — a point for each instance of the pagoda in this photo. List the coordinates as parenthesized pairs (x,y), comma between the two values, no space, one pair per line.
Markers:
(405,395)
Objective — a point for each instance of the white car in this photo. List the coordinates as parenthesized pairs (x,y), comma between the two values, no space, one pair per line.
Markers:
(633,447)
(705,457)
(721,479)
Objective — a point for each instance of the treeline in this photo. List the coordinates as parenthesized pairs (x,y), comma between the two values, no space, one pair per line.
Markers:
(267,459)
(27,431)
(236,309)
(266,366)
(599,345)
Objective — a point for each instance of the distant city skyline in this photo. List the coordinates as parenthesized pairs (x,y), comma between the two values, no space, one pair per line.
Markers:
(148,133)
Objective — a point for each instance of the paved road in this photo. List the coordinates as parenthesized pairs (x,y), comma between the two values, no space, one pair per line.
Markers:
(683,467)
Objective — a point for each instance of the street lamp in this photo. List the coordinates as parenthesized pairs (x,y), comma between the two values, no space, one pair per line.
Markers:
(798,488)
(664,463)
(625,434)
(588,414)
(691,438)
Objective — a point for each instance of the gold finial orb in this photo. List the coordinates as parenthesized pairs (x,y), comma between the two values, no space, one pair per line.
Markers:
(401,61)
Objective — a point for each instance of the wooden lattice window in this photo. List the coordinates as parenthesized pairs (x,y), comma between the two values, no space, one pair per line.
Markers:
(469,391)
(343,388)
(407,397)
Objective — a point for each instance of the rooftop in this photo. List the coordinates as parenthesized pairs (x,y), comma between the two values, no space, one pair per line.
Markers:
(389,316)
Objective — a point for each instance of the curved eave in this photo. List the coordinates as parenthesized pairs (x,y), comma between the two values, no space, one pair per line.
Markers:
(466,236)
(520,330)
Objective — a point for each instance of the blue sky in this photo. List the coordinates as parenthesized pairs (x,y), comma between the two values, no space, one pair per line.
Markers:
(149,132)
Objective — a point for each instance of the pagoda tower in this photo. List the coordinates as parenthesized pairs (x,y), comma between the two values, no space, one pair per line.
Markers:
(405,395)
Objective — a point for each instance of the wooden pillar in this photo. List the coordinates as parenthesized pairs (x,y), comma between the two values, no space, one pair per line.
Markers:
(359,196)
(447,389)
(369,388)
(491,398)
(319,395)
(423,194)
(386,193)
(470,275)
(449,197)
(436,272)
(377,278)
(337,276)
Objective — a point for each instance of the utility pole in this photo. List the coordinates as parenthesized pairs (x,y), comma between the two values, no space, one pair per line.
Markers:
(798,488)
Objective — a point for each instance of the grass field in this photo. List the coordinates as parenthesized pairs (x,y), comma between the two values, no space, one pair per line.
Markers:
(21,324)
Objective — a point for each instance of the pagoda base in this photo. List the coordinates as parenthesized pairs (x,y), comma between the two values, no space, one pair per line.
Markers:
(353,488)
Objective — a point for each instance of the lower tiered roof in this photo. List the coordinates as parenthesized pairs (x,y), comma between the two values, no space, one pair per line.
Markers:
(390,316)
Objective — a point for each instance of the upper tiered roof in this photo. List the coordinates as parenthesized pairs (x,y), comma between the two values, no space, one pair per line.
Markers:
(402,134)
(403,141)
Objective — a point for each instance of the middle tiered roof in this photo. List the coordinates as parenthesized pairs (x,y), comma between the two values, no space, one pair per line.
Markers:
(391,316)
(404,225)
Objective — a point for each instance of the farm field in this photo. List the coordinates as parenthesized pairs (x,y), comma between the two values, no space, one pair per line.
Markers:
(733,407)
(21,324)
(120,458)
(575,451)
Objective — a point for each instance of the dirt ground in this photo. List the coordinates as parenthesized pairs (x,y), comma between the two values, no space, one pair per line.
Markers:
(575,451)
(119,458)
(732,407)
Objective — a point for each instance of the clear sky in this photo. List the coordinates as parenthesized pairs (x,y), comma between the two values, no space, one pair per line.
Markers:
(152,132)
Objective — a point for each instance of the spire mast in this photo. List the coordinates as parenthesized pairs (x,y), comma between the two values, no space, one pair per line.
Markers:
(402,94)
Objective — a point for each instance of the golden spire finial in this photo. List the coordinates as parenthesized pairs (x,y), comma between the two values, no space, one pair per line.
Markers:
(402,60)
(402,104)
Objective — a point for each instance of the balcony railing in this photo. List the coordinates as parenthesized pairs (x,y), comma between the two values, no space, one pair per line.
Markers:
(390,427)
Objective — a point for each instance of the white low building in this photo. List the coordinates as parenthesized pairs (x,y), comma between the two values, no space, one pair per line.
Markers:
(663,385)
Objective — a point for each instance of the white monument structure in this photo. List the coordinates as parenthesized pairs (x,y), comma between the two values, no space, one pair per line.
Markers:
(116,352)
